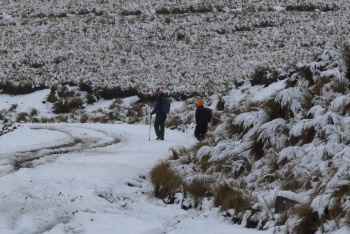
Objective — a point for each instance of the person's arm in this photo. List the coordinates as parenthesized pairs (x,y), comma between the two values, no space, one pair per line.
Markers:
(156,107)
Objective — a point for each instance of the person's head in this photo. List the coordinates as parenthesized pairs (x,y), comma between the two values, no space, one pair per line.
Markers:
(159,92)
(200,102)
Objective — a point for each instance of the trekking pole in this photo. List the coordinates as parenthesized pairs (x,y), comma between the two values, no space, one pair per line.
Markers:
(150,122)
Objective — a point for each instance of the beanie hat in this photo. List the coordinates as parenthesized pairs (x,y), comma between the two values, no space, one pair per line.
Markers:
(159,92)
(200,102)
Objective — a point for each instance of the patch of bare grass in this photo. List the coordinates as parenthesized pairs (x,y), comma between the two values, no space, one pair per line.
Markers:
(165,181)
(22,117)
(346,57)
(309,220)
(198,188)
(228,198)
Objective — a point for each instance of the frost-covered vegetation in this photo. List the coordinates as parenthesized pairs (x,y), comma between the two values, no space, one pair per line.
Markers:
(276,73)
(189,47)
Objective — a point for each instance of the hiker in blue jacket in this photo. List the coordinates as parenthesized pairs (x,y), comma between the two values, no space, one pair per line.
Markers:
(159,122)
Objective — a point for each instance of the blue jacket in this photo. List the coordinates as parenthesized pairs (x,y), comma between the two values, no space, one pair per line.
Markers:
(157,108)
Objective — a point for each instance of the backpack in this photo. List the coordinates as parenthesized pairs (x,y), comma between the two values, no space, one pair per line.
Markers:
(165,106)
(208,114)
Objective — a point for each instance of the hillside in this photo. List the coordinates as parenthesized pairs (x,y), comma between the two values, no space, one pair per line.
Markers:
(187,48)
(276,75)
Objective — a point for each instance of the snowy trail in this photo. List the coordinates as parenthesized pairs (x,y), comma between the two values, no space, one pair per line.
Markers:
(91,178)
(76,170)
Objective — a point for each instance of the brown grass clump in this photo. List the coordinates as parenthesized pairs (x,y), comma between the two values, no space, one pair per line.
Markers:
(164,180)
(309,220)
(67,105)
(346,56)
(137,109)
(100,119)
(257,147)
(301,6)
(185,156)
(204,163)
(215,120)
(318,87)
(175,154)
(339,86)
(220,106)
(306,73)
(91,98)
(291,183)
(227,198)
(22,117)
(307,136)
(173,122)
(13,107)
(275,111)
(198,188)
(61,118)
(33,112)
(263,76)
(336,211)
(52,96)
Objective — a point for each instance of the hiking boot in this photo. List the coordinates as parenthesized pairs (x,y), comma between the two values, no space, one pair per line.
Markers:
(161,138)
(158,138)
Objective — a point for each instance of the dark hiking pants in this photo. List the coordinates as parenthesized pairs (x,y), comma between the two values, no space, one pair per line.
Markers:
(200,131)
(159,127)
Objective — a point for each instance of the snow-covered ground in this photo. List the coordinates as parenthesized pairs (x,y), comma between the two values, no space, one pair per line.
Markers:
(138,44)
(278,68)
(92,178)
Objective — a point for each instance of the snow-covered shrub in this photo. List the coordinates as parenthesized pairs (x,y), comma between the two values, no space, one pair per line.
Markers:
(91,98)
(338,86)
(294,101)
(236,167)
(263,76)
(274,134)
(67,105)
(265,137)
(242,123)
(305,74)
(308,221)
(273,110)
(302,133)
(6,126)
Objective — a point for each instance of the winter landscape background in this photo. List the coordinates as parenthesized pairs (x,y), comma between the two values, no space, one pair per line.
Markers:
(276,74)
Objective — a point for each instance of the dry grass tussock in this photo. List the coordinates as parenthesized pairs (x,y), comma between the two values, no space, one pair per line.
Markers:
(274,110)
(307,136)
(183,155)
(309,220)
(264,76)
(346,57)
(257,149)
(198,188)
(227,198)
(336,210)
(22,117)
(338,86)
(292,182)
(165,181)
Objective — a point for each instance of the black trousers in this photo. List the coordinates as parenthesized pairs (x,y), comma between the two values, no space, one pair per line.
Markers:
(200,131)
(159,127)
